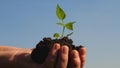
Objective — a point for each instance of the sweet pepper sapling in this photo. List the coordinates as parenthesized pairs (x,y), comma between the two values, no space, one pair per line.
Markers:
(61,15)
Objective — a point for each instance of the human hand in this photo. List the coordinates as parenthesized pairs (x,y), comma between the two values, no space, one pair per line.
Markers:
(24,58)
(77,58)
(12,57)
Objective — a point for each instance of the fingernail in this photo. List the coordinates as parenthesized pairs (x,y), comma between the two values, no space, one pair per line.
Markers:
(75,54)
(56,46)
(65,49)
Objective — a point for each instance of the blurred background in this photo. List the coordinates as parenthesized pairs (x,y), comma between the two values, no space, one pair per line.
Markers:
(23,23)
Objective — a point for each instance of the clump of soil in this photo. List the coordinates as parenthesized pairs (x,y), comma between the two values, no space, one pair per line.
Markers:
(42,49)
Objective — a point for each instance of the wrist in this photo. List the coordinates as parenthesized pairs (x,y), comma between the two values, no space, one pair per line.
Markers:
(22,58)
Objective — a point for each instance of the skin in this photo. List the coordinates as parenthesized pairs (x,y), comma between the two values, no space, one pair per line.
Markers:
(20,58)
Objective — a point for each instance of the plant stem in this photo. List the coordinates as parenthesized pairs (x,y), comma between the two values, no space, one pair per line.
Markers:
(63,30)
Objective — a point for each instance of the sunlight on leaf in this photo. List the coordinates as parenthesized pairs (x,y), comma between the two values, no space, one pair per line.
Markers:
(69,25)
(60,13)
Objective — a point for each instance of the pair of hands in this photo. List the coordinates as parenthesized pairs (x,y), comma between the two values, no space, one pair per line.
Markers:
(11,57)
(77,58)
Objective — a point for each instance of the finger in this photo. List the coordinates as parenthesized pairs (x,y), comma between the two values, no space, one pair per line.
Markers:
(75,59)
(49,62)
(63,57)
(82,53)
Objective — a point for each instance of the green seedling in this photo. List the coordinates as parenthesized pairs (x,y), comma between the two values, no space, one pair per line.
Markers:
(61,15)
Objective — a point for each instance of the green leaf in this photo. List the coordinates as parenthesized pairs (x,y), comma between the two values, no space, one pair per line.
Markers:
(61,24)
(69,25)
(56,35)
(69,34)
(60,13)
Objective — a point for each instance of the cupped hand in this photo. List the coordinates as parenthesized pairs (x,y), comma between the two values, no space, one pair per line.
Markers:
(23,60)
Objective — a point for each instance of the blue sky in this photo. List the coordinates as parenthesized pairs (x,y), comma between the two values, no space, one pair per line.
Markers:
(23,23)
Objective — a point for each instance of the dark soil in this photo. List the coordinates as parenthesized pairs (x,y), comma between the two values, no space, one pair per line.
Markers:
(42,49)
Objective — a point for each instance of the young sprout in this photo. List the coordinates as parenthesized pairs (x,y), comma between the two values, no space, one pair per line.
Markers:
(61,16)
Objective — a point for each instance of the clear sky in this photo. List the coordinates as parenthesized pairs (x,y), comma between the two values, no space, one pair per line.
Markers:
(23,23)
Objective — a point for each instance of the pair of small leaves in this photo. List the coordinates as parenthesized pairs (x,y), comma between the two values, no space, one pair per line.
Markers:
(68,25)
